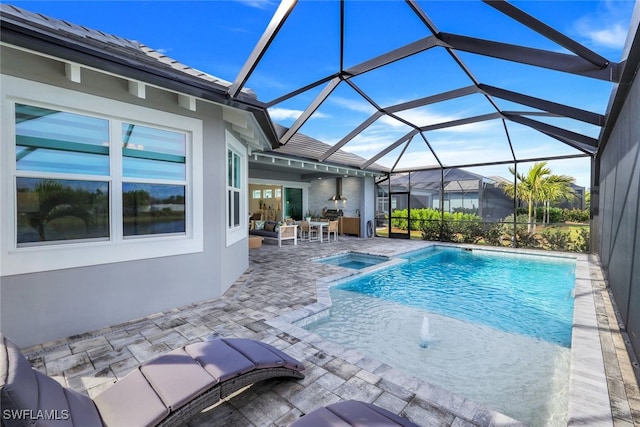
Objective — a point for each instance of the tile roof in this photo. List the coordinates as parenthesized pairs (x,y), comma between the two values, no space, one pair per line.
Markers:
(304,146)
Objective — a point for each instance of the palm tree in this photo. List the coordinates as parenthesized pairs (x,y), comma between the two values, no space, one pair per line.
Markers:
(57,200)
(587,200)
(529,189)
(554,188)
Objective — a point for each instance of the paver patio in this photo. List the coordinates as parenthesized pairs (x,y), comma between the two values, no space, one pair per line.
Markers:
(278,282)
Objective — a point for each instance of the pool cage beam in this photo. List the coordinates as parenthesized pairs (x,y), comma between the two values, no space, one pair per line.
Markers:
(582,62)
(542,104)
(548,32)
(277,21)
(515,187)
(585,62)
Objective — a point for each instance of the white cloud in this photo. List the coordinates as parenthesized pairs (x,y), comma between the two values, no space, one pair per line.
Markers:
(258,4)
(608,27)
(612,36)
(353,105)
(289,114)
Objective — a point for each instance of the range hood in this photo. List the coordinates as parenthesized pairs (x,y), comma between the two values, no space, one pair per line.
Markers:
(338,197)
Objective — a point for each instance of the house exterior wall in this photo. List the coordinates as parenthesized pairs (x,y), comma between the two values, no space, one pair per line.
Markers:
(619,213)
(46,305)
(322,189)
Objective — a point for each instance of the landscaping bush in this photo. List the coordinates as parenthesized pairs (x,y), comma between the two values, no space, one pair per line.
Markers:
(575,215)
(431,230)
(493,233)
(418,218)
(555,215)
(582,243)
(557,240)
(462,227)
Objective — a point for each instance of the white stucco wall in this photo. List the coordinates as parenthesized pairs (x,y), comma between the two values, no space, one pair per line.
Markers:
(47,305)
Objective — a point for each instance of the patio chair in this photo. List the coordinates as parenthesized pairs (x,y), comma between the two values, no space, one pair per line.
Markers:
(166,391)
(308,232)
(331,228)
(351,413)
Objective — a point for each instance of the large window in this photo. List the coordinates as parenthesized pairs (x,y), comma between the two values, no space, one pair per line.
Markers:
(154,183)
(237,190)
(234,187)
(50,146)
(57,143)
(89,186)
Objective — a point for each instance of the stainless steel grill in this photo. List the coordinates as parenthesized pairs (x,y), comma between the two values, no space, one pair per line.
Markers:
(332,214)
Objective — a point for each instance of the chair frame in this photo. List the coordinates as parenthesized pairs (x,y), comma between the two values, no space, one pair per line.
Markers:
(221,391)
(331,228)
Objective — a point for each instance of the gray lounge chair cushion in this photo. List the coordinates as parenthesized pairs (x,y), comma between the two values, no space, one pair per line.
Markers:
(150,393)
(176,377)
(166,386)
(352,413)
(31,394)
(226,358)
(131,402)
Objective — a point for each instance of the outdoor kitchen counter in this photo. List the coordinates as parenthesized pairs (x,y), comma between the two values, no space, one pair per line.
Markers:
(349,225)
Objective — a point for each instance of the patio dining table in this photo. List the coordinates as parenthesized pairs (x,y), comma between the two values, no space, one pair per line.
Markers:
(319,224)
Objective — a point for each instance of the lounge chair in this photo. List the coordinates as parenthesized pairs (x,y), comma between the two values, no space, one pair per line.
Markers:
(166,391)
(351,413)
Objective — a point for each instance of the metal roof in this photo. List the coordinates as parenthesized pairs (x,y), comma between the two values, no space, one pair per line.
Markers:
(305,147)
(124,57)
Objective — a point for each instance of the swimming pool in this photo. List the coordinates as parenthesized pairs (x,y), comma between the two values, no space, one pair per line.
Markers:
(353,260)
(498,326)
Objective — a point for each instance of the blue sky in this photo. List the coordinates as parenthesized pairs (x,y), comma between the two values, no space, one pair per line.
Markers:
(218,36)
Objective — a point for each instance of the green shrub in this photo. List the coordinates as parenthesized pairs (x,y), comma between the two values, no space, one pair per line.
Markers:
(582,242)
(575,215)
(493,233)
(431,230)
(557,240)
(555,215)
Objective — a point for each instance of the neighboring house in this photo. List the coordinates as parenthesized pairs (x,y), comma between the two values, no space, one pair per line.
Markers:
(578,201)
(124,179)
(463,192)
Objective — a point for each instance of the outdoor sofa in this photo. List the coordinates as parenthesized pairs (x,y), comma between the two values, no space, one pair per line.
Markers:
(166,391)
(274,230)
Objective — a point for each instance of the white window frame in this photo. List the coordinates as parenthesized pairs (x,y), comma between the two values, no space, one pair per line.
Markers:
(237,233)
(20,260)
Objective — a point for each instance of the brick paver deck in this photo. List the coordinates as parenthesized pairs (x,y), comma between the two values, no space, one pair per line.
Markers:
(279,282)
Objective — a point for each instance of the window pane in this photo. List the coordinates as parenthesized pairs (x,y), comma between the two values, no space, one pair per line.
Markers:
(230,205)
(153,209)
(230,167)
(153,153)
(236,208)
(144,168)
(236,171)
(55,210)
(56,141)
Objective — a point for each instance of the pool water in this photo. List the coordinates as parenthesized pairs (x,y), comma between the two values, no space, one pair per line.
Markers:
(499,327)
(353,260)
